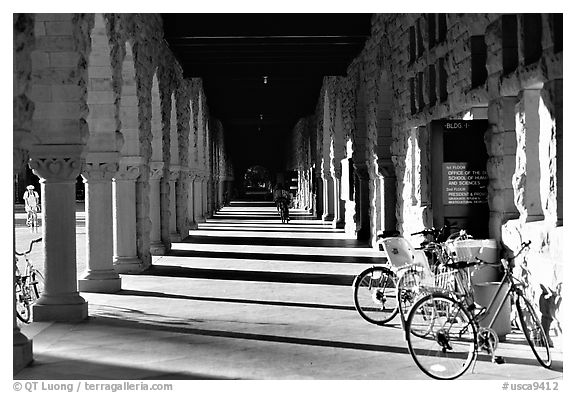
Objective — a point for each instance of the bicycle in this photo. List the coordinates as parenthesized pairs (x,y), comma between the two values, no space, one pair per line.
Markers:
(28,286)
(381,292)
(443,327)
(32,219)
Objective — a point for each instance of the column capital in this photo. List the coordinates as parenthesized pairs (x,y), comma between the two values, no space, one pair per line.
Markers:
(127,171)
(99,171)
(174,171)
(156,170)
(186,175)
(56,162)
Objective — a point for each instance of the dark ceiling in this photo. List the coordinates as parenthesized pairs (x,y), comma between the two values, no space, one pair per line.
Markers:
(233,53)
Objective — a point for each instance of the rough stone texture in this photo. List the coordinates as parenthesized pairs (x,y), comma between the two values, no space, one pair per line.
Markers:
(23,107)
(183,130)
(60,60)
(386,54)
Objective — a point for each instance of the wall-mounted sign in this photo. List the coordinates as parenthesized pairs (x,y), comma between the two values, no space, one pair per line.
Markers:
(459,176)
(464,184)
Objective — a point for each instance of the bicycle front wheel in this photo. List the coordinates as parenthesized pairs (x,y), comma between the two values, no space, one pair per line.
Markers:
(441,336)
(533,330)
(22,304)
(375,295)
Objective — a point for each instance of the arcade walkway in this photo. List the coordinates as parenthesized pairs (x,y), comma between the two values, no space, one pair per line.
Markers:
(244,297)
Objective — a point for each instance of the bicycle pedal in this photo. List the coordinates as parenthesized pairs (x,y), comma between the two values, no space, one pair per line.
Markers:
(498,359)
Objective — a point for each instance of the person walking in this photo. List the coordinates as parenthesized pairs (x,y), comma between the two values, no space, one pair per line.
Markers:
(31,205)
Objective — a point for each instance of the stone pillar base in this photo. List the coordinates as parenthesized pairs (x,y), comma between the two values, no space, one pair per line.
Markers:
(327,217)
(157,248)
(340,224)
(60,312)
(128,265)
(100,285)
(21,352)
(201,219)
(192,225)
(175,237)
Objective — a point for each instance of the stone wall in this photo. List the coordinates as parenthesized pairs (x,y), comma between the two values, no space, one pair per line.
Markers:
(23,106)
(472,66)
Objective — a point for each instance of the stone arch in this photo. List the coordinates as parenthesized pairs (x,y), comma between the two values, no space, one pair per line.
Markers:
(183,115)
(157,165)
(129,105)
(101,164)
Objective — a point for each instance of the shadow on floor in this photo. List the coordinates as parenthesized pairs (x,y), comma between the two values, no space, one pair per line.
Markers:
(269,241)
(58,368)
(277,257)
(249,275)
(238,301)
(118,321)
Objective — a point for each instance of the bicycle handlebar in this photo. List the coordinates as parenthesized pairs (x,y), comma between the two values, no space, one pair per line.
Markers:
(30,249)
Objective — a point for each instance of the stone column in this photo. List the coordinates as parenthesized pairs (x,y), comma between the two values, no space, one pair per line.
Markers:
(100,275)
(387,183)
(362,201)
(198,200)
(526,179)
(205,197)
(156,245)
(319,197)
(58,166)
(21,345)
(126,258)
(339,204)
(328,193)
(221,186)
(174,176)
(192,224)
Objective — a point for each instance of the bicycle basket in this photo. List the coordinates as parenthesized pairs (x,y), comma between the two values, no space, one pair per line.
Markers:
(444,279)
(470,249)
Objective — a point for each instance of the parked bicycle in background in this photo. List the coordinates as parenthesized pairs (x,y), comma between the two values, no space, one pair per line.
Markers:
(28,286)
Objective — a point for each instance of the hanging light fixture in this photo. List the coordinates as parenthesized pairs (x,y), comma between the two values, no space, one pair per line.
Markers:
(265,79)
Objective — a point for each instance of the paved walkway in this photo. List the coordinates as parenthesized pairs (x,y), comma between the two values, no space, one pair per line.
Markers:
(245,297)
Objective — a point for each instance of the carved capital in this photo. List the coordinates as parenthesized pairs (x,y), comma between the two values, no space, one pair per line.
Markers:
(57,169)
(186,175)
(99,171)
(156,170)
(127,172)
(174,174)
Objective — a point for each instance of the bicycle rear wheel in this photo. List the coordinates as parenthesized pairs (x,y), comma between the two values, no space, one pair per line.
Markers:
(22,304)
(375,296)
(533,330)
(409,290)
(37,284)
(441,336)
